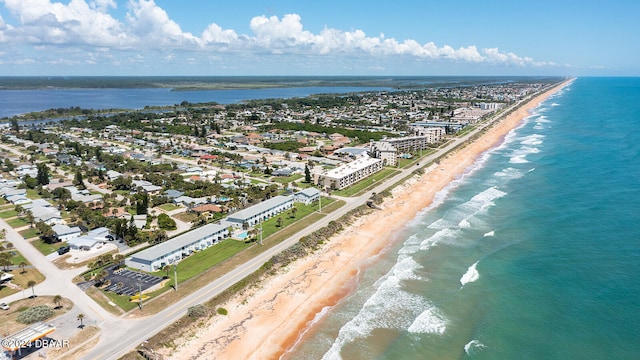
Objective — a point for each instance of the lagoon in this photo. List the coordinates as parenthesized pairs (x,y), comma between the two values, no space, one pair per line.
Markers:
(16,102)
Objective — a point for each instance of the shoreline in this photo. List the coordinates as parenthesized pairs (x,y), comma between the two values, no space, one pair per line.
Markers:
(271,320)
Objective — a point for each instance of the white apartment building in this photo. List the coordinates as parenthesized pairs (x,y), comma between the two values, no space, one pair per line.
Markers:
(349,173)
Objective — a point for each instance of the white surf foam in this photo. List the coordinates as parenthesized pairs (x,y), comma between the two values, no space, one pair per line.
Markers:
(472,345)
(389,307)
(535,139)
(437,237)
(509,173)
(464,224)
(490,233)
(429,321)
(471,275)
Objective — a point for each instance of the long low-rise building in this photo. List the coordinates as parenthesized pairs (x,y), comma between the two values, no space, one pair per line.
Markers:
(349,173)
(173,250)
(261,211)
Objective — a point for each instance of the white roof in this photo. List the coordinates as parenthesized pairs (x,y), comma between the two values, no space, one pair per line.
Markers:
(178,242)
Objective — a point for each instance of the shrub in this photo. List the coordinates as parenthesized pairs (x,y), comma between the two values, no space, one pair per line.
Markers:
(222,311)
(35,314)
(198,311)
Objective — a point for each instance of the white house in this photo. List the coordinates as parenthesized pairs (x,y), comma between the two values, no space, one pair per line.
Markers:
(92,240)
(307,196)
(65,233)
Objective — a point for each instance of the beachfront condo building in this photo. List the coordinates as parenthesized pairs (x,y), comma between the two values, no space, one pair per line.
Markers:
(173,250)
(348,174)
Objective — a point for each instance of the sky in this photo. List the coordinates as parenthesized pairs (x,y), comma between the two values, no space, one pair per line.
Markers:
(328,37)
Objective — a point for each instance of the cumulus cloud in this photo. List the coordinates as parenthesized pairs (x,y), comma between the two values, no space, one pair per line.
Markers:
(147,26)
(152,23)
(44,22)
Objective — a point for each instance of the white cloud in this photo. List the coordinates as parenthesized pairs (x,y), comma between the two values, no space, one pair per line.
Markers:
(214,34)
(42,21)
(153,25)
(148,27)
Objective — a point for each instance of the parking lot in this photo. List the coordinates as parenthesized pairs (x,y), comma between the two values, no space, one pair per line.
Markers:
(129,282)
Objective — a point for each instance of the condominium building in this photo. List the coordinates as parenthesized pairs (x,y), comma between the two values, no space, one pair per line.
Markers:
(261,211)
(349,173)
(173,250)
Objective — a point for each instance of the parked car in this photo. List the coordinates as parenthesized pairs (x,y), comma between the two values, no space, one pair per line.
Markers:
(4,306)
(63,250)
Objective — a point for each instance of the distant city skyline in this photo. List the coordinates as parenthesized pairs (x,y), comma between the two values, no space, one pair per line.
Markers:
(199,37)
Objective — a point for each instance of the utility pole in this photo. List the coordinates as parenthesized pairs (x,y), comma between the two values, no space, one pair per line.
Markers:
(260,232)
(140,294)
(175,275)
(320,200)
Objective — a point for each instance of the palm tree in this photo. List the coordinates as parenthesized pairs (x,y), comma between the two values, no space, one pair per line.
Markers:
(57,300)
(119,258)
(80,318)
(279,222)
(22,265)
(31,284)
(166,269)
(294,211)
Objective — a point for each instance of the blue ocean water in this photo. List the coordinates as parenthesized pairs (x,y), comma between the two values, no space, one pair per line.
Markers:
(533,254)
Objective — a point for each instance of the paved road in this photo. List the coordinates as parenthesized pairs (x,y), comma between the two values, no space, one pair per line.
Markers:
(57,282)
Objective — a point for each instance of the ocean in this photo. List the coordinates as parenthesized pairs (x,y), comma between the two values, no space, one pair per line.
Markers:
(534,253)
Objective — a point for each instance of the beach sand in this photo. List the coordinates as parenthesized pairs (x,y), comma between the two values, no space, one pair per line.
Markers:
(266,322)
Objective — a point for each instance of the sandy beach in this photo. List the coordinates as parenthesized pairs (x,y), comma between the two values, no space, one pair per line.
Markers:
(268,321)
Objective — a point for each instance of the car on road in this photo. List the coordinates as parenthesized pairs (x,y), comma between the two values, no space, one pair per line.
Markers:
(4,306)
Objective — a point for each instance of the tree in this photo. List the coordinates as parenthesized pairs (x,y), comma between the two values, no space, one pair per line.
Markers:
(22,266)
(307,174)
(78,181)
(30,218)
(279,222)
(166,269)
(31,284)
(30,182)
(5,260)
(166,222)
(43,174)
(14,126)
(81,318)
(294,211)
(57,300)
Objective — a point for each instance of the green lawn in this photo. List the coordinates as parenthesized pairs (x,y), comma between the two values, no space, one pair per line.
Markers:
(29,233)
(45,248)
(17,222)
(168,207)
(33,194)
(8,214)
(366,183)
(203,260)
(269,226)
(288,179)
